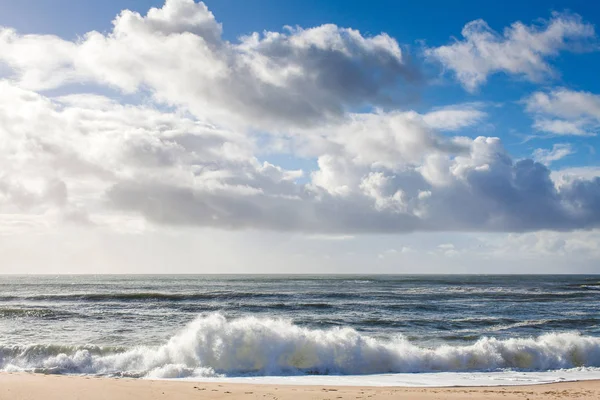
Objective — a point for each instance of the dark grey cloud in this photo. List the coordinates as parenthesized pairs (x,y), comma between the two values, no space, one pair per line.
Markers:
(514,197)
(171,205)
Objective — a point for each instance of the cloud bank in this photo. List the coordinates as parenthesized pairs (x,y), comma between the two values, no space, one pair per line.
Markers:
(195,155)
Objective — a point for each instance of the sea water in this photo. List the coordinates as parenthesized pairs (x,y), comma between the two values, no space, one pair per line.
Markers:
(364,330)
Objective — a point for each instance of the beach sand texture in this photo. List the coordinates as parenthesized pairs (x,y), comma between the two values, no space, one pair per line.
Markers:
(26,386)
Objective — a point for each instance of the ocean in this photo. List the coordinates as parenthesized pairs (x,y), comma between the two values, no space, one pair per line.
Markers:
(372,330)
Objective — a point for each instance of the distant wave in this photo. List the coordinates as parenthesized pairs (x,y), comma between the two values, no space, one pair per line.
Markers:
(411,294)
(141,296)
(43,313)
(214,346)
(591,287)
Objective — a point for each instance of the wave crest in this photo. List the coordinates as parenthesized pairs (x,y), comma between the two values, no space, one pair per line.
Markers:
(212,345)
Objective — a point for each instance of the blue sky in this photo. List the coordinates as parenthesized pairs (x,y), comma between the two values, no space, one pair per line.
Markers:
(369,142)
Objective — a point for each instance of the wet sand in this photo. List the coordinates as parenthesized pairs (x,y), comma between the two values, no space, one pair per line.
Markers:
(24,386)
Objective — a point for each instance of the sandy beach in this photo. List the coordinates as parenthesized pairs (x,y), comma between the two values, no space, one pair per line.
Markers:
(24,386)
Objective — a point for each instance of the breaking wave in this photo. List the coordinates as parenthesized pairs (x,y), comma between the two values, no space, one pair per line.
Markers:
(213,345)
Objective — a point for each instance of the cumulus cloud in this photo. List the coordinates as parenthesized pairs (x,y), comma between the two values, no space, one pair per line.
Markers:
(56,153)
(390,140)
(558,151)
(104,159)
(565,112)
(297,77)
(87,158)
(520,50)
(574,173)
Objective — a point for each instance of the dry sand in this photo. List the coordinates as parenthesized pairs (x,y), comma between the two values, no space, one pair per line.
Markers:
(22,386)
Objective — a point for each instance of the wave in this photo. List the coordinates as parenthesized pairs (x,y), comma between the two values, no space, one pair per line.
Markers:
(42,313)
(591,287)
(142,296)
(212,345)
(387,298)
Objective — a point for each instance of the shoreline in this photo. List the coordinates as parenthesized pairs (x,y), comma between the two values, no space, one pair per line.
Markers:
(24,386)
(415,380)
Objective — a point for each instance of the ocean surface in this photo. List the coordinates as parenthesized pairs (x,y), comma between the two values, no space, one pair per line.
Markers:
(380,330)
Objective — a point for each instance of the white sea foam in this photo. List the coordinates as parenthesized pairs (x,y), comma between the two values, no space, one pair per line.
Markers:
(213,346)
(425,379)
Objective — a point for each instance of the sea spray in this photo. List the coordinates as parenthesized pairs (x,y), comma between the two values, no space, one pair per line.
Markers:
(213,345)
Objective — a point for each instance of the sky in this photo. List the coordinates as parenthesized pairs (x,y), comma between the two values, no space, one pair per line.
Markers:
(143,136)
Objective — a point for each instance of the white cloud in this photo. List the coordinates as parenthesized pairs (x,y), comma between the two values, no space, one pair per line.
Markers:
(447,250)
(575,173)
(57,155)
(454,118)
(329,237)
(575,245)
(561,127)
(298,77)
(88,159)
(558,151)
(388,140)
(565,112)
(381,189)
(520,50)
(101,161)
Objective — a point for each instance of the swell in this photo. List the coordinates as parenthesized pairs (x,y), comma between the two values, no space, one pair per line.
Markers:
(141,296)
(398,296)
(42,313)
(212,345)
